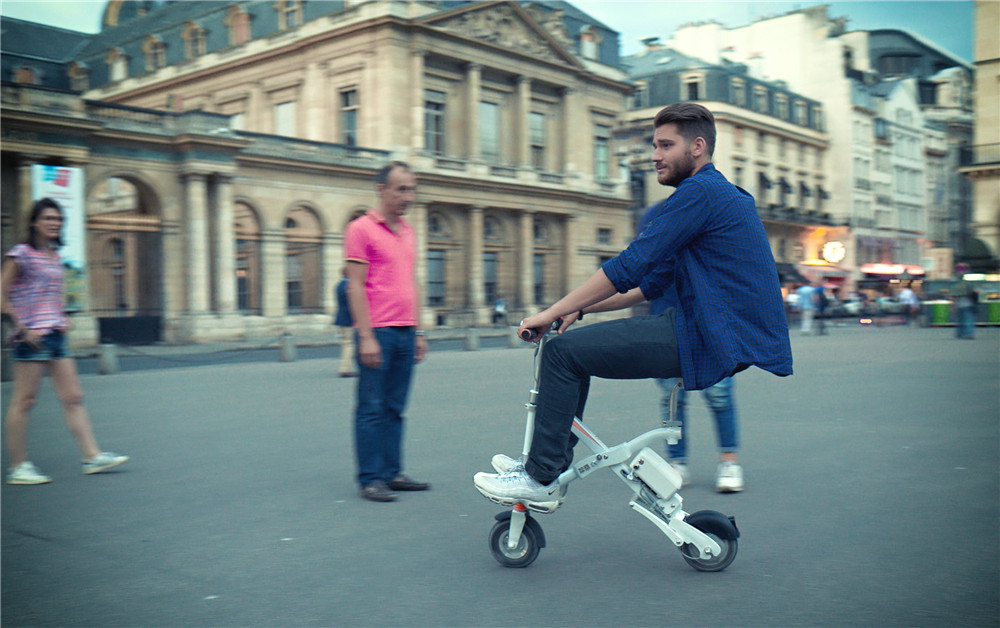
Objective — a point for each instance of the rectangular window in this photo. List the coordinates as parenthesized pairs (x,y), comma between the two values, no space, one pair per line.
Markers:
(602,147)
(604,236)
(760,99)
(738,176)
(434,108)
(782,106)
(435,277)
(799,116)
(490,276)
(284,118)
(738,91)
(489,131)
(761,142)
(349,117)
(538,270)
(691,89)
(536,123)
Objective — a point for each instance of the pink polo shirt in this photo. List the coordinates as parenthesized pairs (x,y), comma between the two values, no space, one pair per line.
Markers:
(391,258)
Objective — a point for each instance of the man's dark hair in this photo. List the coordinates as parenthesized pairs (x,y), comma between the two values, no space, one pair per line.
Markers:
(692,121)
(34,237)
(383,173)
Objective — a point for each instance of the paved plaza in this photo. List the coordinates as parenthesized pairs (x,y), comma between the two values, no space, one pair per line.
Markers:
(872,499)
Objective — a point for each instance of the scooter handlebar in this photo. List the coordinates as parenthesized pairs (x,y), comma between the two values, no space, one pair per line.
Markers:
(530,334)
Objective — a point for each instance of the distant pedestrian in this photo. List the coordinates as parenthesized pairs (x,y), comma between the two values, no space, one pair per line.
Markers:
(344,321)
(821,302)
(381,253)
(966,301)
(500,311)
(807,306)
(910,303)
(33,295)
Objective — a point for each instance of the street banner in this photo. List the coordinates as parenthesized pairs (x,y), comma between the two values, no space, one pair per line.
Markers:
(65,186)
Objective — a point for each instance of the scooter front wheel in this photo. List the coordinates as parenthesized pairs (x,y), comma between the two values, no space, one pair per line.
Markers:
(715,563)
(521,556)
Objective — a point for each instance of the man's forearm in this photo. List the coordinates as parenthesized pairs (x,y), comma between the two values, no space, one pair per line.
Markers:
(617,301)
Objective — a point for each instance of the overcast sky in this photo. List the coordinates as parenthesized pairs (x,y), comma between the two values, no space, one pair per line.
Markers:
(946,23)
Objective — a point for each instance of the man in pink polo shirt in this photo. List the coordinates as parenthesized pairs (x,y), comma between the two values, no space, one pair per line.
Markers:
(381,254)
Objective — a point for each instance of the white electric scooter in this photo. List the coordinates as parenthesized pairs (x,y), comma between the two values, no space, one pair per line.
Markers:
(707,539)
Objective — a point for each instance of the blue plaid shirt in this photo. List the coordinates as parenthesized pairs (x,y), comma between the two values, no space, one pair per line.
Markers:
(707,240)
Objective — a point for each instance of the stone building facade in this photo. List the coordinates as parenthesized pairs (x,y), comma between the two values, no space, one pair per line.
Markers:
(226,146)
(770,141)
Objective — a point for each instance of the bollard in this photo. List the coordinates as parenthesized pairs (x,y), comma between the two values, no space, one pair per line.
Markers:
(107,359)
(471,339)
(287,349)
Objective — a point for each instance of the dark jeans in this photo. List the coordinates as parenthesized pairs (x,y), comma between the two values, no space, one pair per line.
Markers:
(382,394)
(629,348)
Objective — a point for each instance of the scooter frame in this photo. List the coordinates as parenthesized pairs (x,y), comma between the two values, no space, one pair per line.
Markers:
(707,539)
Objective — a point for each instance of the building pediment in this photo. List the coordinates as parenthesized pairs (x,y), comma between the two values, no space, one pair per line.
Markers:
(503,24)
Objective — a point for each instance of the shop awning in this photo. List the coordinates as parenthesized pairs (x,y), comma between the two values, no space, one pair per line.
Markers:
(787,273)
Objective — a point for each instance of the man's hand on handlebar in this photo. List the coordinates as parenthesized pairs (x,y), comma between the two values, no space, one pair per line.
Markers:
(535,326)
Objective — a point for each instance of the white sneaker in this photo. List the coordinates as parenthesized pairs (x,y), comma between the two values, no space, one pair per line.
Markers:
(729,478)
(508,489)
(27,473)
(102,462)
(682,469)
(505,464)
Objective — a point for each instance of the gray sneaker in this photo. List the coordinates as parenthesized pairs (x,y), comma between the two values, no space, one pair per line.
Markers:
(729,478)
(102,462)
(27,473)
(505,464)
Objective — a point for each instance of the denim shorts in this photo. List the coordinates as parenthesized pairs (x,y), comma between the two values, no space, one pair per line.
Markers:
(53,347)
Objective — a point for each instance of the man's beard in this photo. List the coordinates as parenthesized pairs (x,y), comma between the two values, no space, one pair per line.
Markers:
(680,170)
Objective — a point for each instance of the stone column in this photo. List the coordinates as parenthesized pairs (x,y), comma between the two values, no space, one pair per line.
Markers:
(22,206)
(417,217)
(473,81)
(476,294)
(257,114)
(526,278)
(312,97)
(225,246)
(523,121)
(570,259)
(571,128)
(417,94)
(196,242)
(272,261)
(333,262)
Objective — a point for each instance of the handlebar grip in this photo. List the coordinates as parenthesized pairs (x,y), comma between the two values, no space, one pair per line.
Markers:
(529,334)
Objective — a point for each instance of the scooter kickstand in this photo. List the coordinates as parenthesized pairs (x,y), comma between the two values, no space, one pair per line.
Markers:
(518,517)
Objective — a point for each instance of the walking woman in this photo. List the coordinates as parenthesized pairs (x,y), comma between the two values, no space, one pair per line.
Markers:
(32,296)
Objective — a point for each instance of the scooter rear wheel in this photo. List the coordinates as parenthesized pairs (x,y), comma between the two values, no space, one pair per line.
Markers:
(521,556)
(715,563)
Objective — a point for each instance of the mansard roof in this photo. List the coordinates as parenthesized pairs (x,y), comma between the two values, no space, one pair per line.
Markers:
(139,26)
(38,41)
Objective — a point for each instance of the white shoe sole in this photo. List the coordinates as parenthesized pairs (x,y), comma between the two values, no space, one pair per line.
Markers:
(540,507)
(112,465)
(28,482)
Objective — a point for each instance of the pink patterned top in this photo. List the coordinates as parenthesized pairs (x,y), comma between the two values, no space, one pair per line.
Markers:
(36,294)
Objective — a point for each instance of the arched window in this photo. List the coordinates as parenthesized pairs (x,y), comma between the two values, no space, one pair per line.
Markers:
(238,22)
(303,261)
(156,53)
(79,77)
(25,75)
(248,287)
(118,63)
(194,40)
(289,13)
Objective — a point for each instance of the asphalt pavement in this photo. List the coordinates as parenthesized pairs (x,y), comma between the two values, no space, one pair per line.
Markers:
(872,499)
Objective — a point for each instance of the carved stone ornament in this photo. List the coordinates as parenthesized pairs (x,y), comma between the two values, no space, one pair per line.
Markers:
(499,25)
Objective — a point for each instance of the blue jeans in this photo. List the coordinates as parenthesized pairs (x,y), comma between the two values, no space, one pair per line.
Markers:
(382,394)
(720,399)
(53,347)
(966,321)
(628,348)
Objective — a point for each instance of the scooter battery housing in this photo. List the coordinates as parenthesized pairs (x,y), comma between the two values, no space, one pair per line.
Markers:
(656,473)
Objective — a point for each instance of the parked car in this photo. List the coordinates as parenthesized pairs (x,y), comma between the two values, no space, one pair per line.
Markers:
(889,305)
